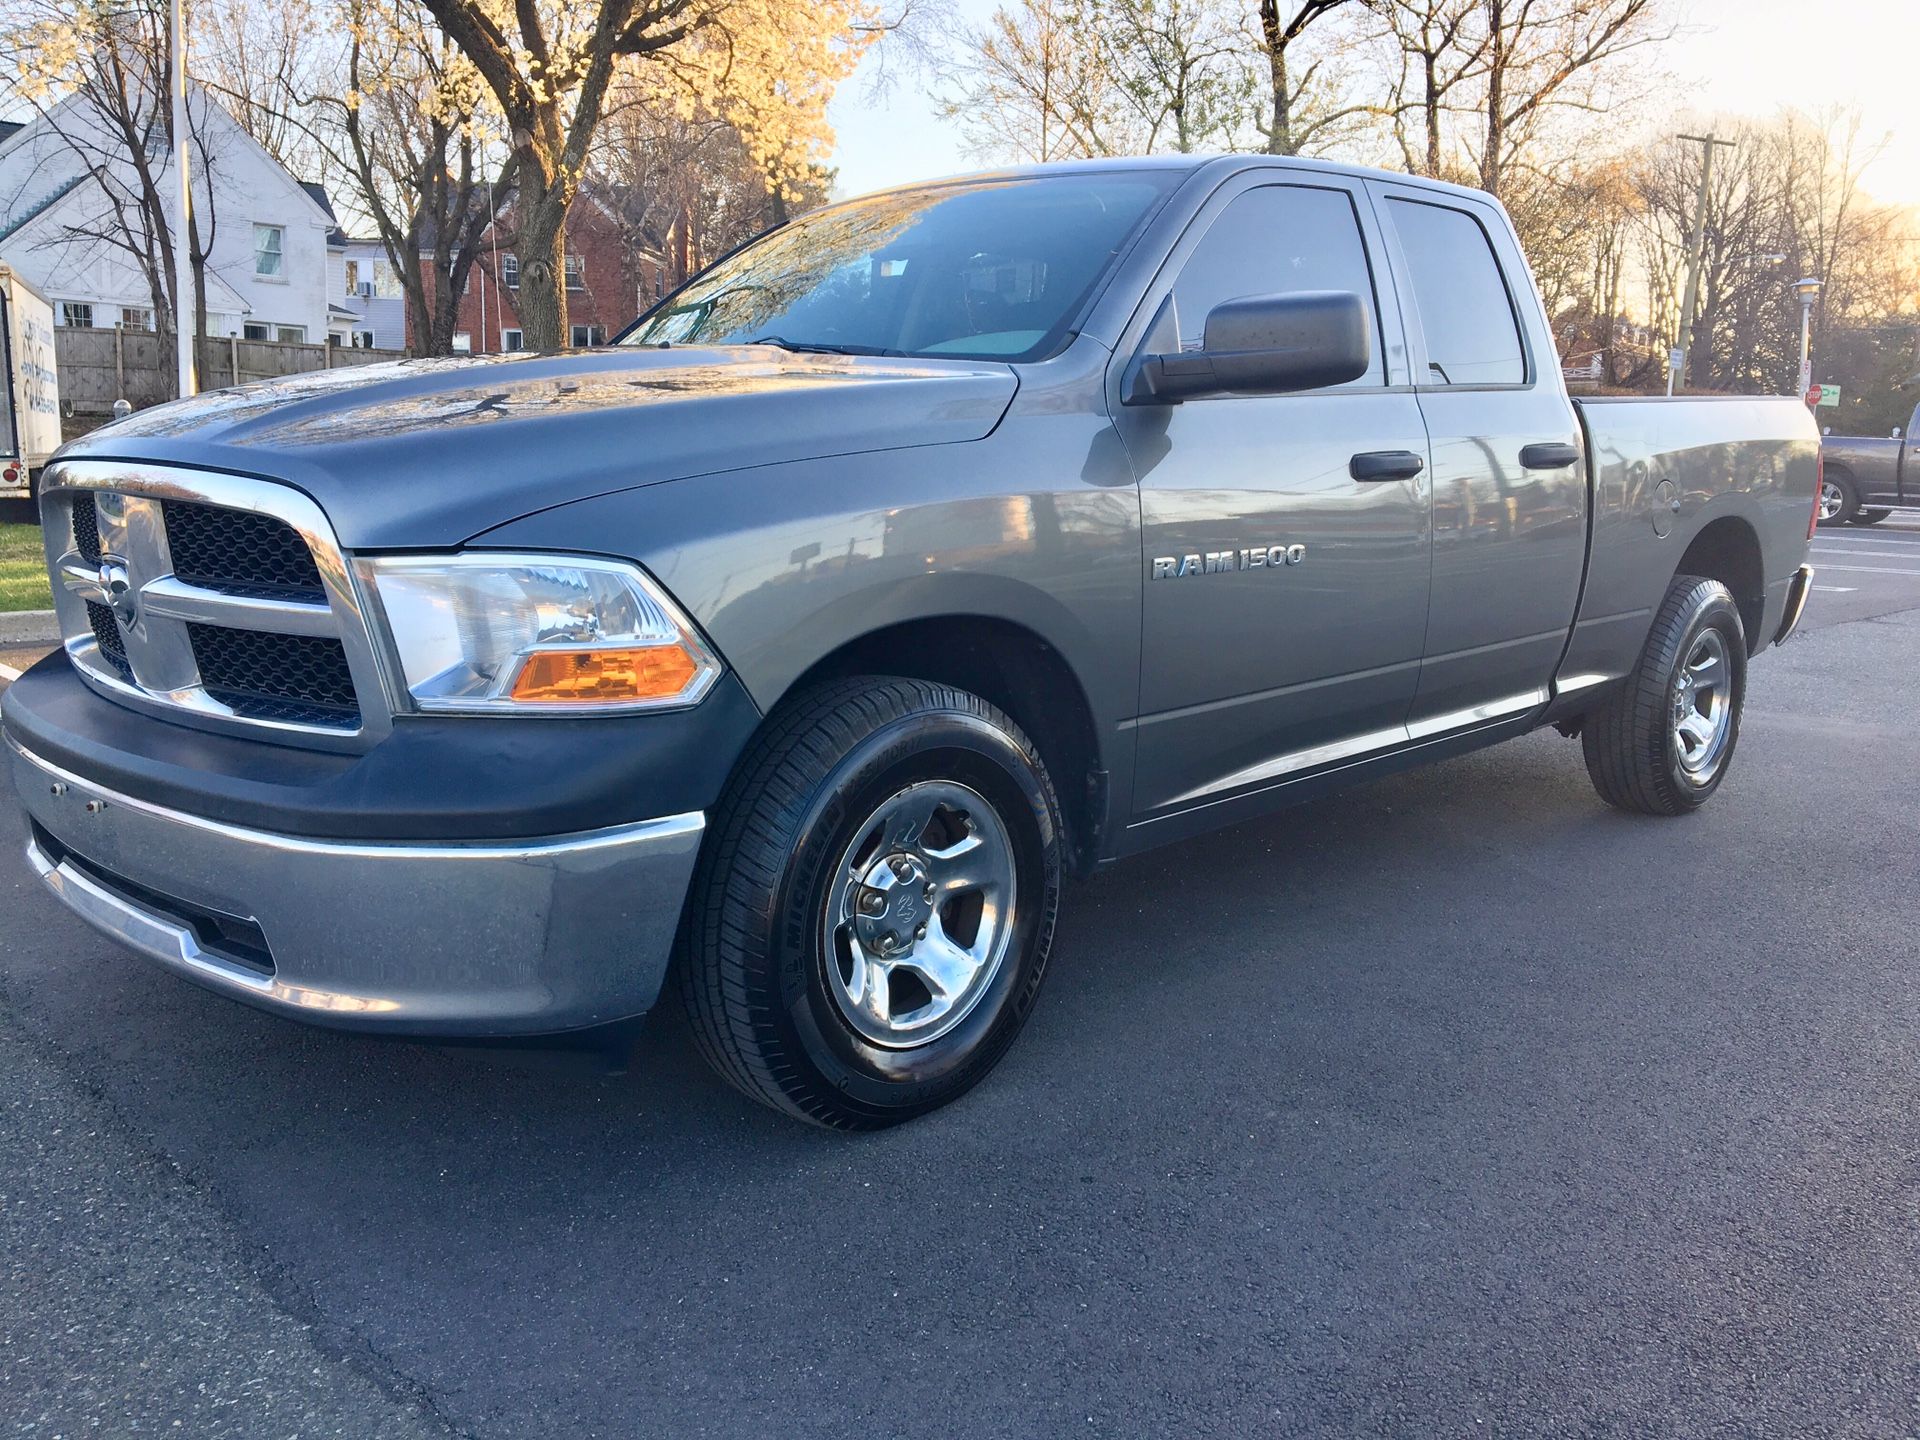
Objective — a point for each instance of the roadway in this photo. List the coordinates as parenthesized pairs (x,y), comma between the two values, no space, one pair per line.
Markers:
(1458,1103)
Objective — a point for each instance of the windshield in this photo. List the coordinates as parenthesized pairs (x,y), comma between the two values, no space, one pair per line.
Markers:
(990,270)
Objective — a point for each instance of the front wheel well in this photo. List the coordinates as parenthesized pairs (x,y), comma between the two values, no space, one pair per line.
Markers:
(1728,550)
(1014,669)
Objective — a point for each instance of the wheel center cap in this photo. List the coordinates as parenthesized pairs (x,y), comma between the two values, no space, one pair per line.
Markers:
(894,903)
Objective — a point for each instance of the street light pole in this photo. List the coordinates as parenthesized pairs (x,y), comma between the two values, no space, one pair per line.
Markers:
(1696,257)
(183,310)
(1808,290)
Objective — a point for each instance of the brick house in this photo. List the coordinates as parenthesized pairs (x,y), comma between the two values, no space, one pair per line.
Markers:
(609,281)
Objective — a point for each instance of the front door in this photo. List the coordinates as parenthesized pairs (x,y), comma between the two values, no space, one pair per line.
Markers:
(1285,604)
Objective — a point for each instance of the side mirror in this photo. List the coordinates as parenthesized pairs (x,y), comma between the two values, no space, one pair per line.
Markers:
(1263,345)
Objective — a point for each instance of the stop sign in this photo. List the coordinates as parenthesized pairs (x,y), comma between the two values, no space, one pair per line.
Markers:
(1813,394)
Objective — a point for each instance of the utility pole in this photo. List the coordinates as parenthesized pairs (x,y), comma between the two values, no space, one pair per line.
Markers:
(183,203)
(1808,290)
(1696,258)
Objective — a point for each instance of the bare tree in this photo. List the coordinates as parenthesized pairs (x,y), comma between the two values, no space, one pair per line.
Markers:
(1294,125)
(99,80)
(1438,50)
(252,54)
(429,168)
(1036,85)
(1546,56)
(768,65)
(1178,69)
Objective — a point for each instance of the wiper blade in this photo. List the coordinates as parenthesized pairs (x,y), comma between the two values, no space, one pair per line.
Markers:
(800,347)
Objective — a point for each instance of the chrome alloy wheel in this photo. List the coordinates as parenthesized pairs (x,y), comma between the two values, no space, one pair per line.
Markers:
(1832,500)
(919,914)
(1702,705)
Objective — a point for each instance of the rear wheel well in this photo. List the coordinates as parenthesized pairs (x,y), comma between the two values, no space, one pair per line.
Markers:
(1727,550)
(1013,669)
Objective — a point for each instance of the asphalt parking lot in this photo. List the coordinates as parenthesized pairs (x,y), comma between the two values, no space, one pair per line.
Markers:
(1457,1104)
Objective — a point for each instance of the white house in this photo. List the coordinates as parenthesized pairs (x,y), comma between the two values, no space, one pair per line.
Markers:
(267,272)
(367,286)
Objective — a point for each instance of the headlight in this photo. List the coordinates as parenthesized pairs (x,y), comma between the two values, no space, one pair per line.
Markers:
(540,633)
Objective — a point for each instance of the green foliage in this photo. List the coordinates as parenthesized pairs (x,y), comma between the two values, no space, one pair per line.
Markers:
(23,569)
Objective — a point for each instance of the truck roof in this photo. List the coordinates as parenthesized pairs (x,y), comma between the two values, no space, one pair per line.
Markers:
(1190,164)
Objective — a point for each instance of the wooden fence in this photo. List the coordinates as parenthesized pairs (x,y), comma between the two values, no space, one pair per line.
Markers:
(98,367)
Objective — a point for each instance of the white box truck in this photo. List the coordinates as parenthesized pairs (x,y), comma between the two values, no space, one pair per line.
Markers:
(30,401)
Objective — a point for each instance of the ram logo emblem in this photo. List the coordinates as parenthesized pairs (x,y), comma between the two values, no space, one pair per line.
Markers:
(1221,562)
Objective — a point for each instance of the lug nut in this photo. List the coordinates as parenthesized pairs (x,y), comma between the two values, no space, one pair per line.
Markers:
(889,941)
(58,788)
(927,894)
(94,807)
(872,903)
(901,869)
(921,933)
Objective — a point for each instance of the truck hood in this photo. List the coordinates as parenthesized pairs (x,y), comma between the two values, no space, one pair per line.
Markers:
(432,452)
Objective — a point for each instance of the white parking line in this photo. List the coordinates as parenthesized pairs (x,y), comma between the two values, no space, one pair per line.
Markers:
(1836,589)
(8,673)
(1868,570)
(1912,553)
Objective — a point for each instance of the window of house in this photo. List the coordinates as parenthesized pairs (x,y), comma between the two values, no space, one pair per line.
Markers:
(585,335)
(462,343)
(136,317)
(1466,314)
(253,330)
(510,271)
(353,277)
(511,340)
(576,273)
(266,250)
(386,285)
(76,314)
(290,334)
(1275,240)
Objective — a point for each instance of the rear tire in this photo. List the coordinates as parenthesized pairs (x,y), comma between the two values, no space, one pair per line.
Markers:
(872,915)
(1871,517)
(1839,501)
(1661,743)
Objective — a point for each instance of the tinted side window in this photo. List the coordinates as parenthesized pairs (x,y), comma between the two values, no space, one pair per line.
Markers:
(1273,241)
(1472,335)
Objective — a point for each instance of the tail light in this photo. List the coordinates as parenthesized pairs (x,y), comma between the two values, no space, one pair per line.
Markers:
(1819,489)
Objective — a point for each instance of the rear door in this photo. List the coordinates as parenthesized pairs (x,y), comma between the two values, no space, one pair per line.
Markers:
(1509,480)
(1285,602)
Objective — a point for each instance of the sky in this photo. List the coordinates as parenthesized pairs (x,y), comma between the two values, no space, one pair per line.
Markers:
(1733,56)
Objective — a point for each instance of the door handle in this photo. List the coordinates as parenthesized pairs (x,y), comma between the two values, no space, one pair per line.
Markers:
(1549,455)
(1385,465)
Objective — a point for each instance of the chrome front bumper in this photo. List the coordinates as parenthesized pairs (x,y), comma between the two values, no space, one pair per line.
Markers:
(507,938)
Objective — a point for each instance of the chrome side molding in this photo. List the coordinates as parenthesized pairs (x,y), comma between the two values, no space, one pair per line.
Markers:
(1370,743)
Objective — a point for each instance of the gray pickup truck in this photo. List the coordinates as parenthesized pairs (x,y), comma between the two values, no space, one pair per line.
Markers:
(927,550)
(1865,477)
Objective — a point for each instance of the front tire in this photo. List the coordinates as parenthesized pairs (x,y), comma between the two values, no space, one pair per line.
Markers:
(1871,517)
(1661,743)
(871,919)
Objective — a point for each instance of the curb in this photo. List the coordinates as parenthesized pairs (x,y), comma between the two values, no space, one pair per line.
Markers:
(29,627)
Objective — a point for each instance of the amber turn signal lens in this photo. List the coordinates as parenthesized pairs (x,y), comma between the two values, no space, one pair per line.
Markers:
(655,672)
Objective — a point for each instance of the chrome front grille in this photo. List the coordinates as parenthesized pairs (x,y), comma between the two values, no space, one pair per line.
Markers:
(217,601)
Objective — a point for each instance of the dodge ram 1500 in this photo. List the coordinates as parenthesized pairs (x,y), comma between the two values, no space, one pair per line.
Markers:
(928,549)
